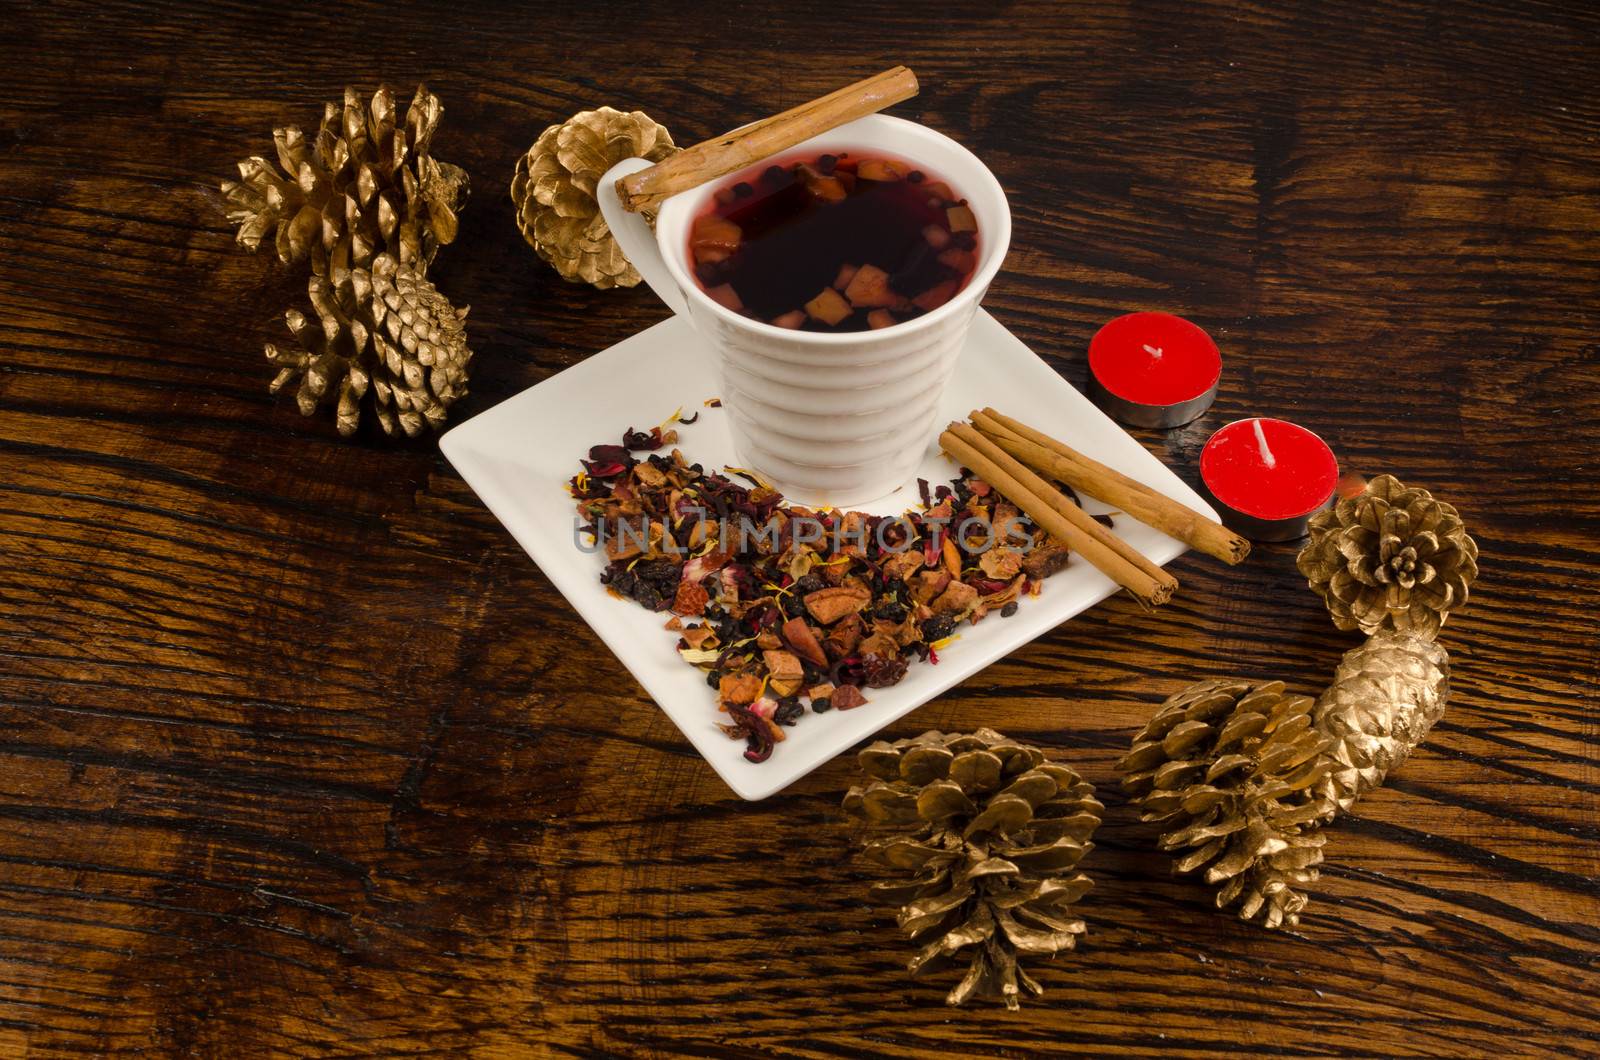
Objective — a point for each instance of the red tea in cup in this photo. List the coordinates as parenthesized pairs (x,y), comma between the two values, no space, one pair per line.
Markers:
(835,242)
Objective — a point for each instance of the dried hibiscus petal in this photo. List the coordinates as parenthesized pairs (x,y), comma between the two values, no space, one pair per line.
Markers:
(756,732)
(609,454)
(651,439)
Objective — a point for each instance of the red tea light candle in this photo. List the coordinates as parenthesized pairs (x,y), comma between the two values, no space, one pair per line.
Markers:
(1268,477)
(1153,370)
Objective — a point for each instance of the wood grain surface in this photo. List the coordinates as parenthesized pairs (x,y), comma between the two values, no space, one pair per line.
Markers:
(300,754)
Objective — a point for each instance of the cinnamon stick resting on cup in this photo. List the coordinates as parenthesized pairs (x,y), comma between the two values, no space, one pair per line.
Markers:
(1061,462)
(733,151)
(1062,519)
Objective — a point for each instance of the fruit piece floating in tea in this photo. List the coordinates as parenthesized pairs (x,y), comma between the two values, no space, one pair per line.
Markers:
(834,243)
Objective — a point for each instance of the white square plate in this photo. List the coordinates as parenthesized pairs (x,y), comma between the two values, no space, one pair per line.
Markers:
(519,455)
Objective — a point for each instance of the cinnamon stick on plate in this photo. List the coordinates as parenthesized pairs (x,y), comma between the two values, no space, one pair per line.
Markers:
(732,151)
(1063,463)
(1062,519)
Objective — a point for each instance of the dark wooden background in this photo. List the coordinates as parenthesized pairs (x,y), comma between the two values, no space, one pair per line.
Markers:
(299,753)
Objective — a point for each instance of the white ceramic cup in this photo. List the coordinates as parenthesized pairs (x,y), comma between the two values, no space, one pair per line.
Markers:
(828,418)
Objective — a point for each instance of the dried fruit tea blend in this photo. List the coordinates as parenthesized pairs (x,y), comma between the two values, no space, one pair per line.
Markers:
(790,610)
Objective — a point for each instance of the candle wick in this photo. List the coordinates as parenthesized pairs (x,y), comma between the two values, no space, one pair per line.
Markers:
(1266,450)
(1154,351)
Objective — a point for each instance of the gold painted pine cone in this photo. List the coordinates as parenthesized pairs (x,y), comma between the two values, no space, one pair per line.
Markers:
(1232,773)
(1385,697)
(367,184)
(554,191)
(383,339)
(987,836)
(1391,557)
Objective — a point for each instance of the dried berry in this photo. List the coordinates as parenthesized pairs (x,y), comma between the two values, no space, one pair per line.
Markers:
(808,584)
(890,610)
(938,628)
(880,672)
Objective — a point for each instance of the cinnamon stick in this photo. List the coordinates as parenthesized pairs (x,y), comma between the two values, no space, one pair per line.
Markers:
(1062,519)
(733,151)
(1061,462)
(1063,504)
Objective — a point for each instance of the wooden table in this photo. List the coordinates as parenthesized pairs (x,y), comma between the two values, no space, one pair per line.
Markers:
(299,753)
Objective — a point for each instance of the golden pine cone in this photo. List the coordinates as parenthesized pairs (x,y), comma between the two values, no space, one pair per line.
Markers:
(366,185)
(383,338)
(989,835)
(1391,557)
(1232,775)
(1384,699)
(554,191)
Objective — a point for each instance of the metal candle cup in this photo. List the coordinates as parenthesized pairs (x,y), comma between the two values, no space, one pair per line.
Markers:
(1153,370)
(1268,477)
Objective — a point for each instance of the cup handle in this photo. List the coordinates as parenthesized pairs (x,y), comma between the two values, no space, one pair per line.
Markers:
(636,238)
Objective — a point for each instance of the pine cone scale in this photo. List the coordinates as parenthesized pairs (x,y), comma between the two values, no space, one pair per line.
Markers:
(993,835)
(1243,799)
(1392,557)
(554,191)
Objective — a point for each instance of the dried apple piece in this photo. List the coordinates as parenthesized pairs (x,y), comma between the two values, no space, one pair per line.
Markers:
(938,189)
(793,319)
(738,688)
(957,597)
(823,188)
(961,219)
(724,295)
(714,238)
(959,260)
(881,318)
(829,307)
(846,274)
(935,296)
(828,606)
(696,636)
(938,236)
(786,671)
(804,641)
(880,169)
(847,697)
(869,288)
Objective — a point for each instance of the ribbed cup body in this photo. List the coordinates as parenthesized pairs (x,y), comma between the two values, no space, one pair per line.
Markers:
(834,425)
(836,418)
